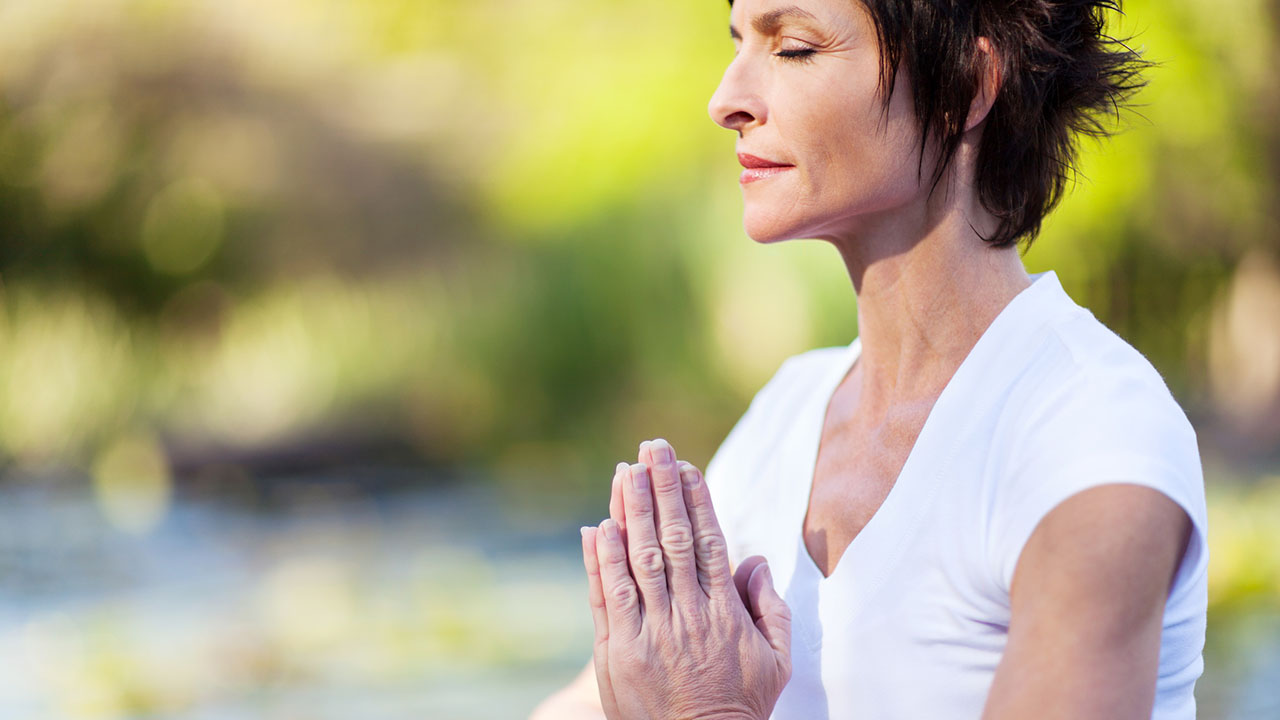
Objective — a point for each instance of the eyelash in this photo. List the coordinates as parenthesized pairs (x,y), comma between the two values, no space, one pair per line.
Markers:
(797,54)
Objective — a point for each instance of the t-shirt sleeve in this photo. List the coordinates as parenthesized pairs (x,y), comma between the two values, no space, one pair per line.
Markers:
(1099,429)
(739,453)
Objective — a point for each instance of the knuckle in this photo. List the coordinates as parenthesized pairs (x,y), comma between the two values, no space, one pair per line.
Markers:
(623,593)
(705,578)
(669,488)
(711,545)
(616,558)
(783,612)
(641,508)
(677,537)
(648,561)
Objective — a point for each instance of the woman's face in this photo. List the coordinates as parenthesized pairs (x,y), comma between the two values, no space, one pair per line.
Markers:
(822,156)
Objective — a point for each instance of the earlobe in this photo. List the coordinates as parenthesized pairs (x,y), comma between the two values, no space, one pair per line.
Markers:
(989,79)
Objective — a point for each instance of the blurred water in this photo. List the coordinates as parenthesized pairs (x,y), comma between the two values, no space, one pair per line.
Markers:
(448,603)
(430,604)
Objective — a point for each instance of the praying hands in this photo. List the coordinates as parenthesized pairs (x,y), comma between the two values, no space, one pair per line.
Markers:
(677,634)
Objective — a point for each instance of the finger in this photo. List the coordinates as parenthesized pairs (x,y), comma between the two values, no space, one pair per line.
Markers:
(770,612)
(742,578)
(712,553)
(599,615)
(647,566)
(622,601)
(617,510)
(595,590)
(675,532)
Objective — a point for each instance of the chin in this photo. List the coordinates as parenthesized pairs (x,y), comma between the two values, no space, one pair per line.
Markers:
(766,228)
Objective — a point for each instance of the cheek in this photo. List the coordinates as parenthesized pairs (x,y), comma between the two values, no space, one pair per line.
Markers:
(869,155)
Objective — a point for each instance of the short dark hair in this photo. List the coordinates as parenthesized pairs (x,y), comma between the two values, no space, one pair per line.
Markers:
(1061,76)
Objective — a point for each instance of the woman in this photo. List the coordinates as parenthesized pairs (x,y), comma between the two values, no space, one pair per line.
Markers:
(988,505)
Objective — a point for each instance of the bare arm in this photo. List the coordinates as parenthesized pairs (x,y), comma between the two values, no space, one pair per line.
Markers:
(1088,597)
(579,700)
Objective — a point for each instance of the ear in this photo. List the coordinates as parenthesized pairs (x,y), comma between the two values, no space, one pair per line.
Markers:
(988,83)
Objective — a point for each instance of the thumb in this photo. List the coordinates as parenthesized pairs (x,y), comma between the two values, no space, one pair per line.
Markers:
(770,612)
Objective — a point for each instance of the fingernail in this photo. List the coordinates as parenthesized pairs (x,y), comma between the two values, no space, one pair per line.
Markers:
(689,476)
(620,467)
(640,477)
(610,530)
(662,452)
(583,531)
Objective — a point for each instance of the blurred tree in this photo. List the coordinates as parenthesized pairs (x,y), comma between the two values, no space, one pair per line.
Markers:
(506,233)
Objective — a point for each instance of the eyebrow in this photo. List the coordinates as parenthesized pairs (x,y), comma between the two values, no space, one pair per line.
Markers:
(769,22)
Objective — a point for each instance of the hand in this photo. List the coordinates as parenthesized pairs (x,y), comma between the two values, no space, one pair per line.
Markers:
(676,635)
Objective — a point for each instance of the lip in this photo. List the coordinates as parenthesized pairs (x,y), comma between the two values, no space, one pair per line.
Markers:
(757,168)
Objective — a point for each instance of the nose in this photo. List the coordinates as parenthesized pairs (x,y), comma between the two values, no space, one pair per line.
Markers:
(735,104)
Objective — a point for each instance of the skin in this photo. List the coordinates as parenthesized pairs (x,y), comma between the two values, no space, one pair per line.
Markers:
(678,635)
(1089,589)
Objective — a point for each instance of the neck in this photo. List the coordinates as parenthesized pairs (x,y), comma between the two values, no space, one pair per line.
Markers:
(927,288)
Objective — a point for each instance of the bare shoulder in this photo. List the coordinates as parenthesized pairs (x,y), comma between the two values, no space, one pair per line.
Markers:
(1087,606)
(1106,546)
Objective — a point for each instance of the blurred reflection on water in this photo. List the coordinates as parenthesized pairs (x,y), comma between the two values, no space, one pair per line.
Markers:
(447,603)
(433,604)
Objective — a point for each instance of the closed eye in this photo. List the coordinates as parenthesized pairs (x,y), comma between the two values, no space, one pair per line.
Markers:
(801,54)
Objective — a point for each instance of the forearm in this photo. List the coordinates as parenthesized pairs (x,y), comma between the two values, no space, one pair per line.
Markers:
(566,705)
(579,700)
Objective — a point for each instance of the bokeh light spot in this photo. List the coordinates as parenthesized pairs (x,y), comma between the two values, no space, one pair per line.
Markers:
(132,483)
(183,227)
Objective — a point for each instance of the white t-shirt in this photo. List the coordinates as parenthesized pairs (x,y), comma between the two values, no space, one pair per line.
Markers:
(914,617)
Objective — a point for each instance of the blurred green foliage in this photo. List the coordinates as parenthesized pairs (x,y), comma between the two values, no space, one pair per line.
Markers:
(506,234)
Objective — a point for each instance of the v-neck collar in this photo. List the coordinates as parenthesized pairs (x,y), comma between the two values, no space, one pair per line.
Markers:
(873,551)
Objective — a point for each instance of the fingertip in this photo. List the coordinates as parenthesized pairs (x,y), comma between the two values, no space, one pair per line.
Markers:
(590,555)
(662,452)
(640,476)
(760,584)
(689,475)
(746,570)
(610,529)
